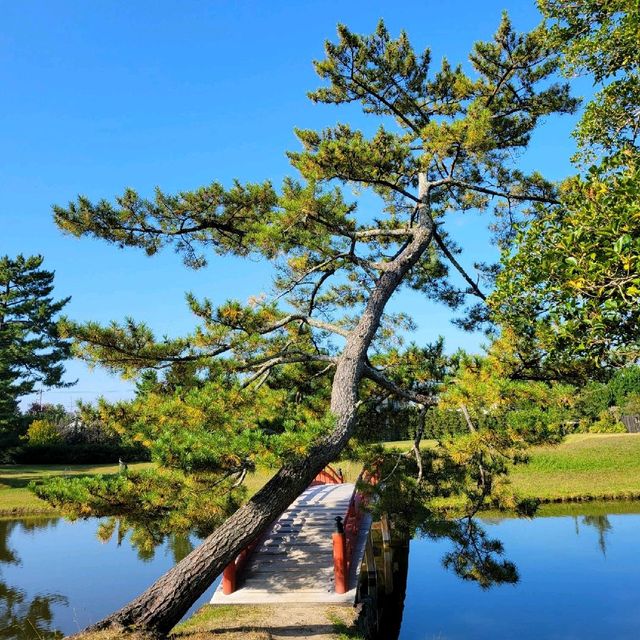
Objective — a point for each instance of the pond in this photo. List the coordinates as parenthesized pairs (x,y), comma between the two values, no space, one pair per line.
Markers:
(579,578)
(56,577)
(579,574)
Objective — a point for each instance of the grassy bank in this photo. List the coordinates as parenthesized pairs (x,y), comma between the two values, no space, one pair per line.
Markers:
(257,622)
(583,467)
(16,499)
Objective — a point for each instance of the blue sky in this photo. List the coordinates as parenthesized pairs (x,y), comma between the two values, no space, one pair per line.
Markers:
(98,96)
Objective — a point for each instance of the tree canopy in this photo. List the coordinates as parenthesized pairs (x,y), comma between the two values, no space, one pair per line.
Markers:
(289,377)
(32,352)
(570,285)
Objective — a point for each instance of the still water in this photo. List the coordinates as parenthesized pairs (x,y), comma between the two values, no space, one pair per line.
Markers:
(579,578)
(56,577)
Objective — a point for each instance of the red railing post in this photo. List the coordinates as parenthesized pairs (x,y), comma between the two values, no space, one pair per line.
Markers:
(229,578)
(339,557)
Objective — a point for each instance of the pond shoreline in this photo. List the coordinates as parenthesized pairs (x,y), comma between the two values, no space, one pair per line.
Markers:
(626,496)
(583,468)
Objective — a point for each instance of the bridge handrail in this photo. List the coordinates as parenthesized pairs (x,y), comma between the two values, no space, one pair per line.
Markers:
(328,475)
(355,511)
(345,537)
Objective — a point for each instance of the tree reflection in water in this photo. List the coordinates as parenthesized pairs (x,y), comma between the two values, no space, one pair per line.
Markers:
(601,524)
(20,615)
(144,539)
(474,555)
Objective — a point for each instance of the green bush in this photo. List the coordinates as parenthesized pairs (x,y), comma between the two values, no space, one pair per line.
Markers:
(625,383)
(535,425)
(631,406)
(43,433)
(593,399)
(607,422)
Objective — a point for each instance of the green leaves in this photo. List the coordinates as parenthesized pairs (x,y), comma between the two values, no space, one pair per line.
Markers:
(210,217)
(385,75)
(601,38)
(252,383)
(575,277)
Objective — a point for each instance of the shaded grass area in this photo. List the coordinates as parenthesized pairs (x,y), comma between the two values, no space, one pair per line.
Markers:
(16,499)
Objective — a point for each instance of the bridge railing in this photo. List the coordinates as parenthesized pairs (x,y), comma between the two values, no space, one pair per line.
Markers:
(328,475)
(345,536)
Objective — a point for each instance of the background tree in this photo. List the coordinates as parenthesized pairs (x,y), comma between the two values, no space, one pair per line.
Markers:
(448,143)
(575,269)
(32,352)
(601,39)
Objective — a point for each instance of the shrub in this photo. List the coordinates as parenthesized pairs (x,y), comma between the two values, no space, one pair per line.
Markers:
(43,433)
(625,382)
(631,407)
(607,422)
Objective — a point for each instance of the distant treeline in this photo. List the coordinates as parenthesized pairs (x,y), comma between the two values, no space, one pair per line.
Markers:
(597,407)
(49,434)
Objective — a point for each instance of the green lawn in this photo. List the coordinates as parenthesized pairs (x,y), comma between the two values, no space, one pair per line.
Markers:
(584,467)
(16,499)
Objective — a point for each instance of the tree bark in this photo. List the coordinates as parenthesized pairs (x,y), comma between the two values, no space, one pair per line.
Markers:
(166,601)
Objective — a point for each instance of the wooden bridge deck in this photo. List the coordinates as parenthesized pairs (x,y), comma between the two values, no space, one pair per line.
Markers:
(293,561)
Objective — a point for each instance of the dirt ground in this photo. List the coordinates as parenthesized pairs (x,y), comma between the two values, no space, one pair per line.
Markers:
(288,622)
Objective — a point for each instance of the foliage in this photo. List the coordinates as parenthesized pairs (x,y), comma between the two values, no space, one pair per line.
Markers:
(608,422)
(624,383)
(601,38)
(31,349)
(424,508)
(594,398)
(43,432)
(530,412)
(570,286)
(160,500)
(255,382)
(631,405)
(577,272)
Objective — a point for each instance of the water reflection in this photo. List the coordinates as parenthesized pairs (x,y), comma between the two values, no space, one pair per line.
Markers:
(601,524)
(21,615)
(56,577)
(568,588)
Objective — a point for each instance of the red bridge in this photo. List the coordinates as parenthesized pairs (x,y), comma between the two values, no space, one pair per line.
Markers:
(312,553)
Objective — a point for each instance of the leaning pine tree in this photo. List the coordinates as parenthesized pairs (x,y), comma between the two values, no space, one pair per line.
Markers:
(447,144)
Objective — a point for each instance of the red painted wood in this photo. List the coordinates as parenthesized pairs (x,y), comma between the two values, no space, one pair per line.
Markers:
(340,570)
(328,476)
(229,579)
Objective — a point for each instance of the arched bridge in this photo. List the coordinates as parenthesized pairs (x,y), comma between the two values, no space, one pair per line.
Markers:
(312,553)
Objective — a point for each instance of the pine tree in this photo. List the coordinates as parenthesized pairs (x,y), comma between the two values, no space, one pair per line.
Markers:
(32,352)
(448,143)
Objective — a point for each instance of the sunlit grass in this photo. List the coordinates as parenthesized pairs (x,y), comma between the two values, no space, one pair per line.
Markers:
(16,499)
(587,466)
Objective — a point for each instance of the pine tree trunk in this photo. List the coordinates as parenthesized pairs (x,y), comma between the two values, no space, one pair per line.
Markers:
(164,603)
